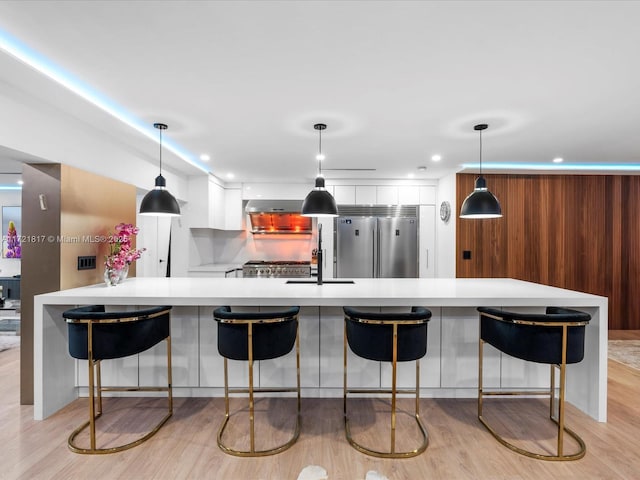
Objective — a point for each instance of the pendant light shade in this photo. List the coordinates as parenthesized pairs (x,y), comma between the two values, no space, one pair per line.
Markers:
(159,202)
(319,202)
(481,203)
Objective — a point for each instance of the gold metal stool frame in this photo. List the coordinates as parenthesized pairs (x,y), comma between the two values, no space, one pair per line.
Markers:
(559,421)
(251,390)
(95,385)
(393,391)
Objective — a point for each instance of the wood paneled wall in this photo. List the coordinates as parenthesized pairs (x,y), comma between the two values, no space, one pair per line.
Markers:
(79,205)
(580,232)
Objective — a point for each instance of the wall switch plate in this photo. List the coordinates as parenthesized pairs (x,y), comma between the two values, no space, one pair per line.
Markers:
(87,263)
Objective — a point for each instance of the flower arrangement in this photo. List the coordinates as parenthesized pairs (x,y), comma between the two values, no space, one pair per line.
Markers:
(14,249)
(121,255)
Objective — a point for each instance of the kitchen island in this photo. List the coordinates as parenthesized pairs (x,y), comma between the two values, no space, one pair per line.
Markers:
(449,369)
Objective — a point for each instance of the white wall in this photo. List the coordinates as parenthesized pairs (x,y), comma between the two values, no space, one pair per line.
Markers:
(10,266)
(446,232)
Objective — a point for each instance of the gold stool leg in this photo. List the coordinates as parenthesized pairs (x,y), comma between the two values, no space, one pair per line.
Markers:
(252,452)
(392,453)
(95,383)
(394,372)
(560,456)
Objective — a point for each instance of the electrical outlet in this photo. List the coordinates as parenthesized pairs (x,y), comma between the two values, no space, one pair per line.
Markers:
(87,263)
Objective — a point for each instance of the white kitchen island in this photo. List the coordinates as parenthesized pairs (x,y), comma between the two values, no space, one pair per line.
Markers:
(449,370)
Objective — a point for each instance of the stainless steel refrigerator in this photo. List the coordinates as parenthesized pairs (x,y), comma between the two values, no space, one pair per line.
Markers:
(376,247)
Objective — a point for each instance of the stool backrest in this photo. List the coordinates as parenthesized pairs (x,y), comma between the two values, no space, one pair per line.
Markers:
(370,334)
(115,334)
(535,337)
(273,333)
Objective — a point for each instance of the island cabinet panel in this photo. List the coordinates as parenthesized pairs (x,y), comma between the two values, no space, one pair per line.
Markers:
(361,373)
(429,364)
(211,365)
(184,357)
(119,371)
(281,372)
(460,333)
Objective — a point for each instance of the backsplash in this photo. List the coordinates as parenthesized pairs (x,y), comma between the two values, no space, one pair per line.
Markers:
(219,246)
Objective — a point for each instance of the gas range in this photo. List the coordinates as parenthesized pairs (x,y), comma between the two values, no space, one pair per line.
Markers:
(277,268)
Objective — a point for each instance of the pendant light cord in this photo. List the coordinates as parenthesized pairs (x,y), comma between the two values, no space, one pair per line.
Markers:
(161,150)
(319,152)
(480,152)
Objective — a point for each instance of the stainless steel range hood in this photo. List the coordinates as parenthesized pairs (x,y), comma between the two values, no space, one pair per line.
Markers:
(278,217)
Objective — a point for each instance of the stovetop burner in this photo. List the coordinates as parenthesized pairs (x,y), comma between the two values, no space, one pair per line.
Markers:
(276,268)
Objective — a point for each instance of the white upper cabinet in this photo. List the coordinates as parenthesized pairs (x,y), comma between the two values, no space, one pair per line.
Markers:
(366,195)
(233,213)
(427,195)
(386,195)
(409,195)
(276,191)
(344,194)
(211,206)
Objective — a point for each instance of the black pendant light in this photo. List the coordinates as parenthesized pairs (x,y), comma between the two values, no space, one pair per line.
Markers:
(319,202)
(481,203)
(159,202)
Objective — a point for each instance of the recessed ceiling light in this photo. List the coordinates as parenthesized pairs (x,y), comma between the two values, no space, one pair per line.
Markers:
(20,182)
(230,175)
(411,175)
(320,157)
(436,158)
(558,160)
(205,157)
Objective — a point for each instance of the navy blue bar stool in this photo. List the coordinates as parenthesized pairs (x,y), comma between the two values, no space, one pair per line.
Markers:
(555,338)
(387,337)
(251,337)
(96,335)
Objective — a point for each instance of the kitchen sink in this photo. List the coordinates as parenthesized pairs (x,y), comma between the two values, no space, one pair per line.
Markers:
(315,282)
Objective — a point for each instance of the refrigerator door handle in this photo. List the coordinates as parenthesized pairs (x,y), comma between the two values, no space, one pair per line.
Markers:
(427,258)
(373,257)
(377,250)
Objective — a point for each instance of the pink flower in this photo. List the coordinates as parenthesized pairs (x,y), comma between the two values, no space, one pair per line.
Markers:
(120,251)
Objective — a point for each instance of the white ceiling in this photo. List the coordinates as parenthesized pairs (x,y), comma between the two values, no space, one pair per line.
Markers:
(396,82)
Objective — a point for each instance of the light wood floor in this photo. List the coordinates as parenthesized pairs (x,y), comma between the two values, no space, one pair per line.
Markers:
(185,448)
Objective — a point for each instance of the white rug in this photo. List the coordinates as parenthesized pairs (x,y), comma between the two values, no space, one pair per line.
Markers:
(9,341)
(625,351)
(315,472)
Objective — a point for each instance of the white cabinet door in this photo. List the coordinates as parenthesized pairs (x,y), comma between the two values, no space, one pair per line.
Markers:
(427,195)
(459,355)
(344,194)
(429,364)
(365,195)
(154,237)
(281,372)
(427,241)
(409,195)
(233,209)
(386,195)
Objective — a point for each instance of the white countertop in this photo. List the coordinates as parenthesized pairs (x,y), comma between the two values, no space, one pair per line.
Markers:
(463,292)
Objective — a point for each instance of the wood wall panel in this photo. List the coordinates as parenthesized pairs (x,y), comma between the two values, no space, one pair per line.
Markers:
(79,204)
(572,231)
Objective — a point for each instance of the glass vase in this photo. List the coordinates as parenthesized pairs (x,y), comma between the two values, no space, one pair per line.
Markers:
(111,276)
(123,273)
